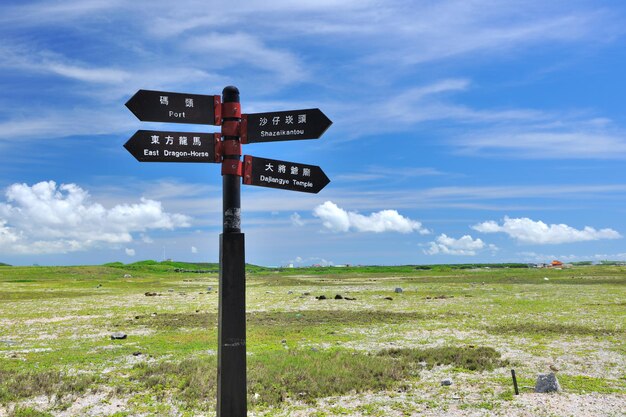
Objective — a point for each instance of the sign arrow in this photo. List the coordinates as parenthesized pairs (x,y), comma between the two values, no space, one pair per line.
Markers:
(284,125)
(284,175)
(162,106)
(155,146)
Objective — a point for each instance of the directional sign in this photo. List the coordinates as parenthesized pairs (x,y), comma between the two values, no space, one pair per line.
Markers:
(154,146)
(284,175)
(284,125)
(162,106)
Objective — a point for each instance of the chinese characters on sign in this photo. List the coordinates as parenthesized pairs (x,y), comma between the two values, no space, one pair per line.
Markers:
(282,169)
(284,125)
(285,175)
(160,106)
(289,120)
(154,146)
(169,140)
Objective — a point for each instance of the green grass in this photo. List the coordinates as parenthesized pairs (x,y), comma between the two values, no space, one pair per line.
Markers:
(28,412)
(16,385)
(469,358)
(306,375)
(55,324)
(555,329)
(581,384)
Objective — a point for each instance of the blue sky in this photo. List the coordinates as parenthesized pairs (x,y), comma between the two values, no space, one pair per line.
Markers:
(463,131)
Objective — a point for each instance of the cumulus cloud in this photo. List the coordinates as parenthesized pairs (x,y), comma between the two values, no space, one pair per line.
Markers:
(129,251)
(194,249)
(339,220)
(465,245)
(46,218)
(526,230)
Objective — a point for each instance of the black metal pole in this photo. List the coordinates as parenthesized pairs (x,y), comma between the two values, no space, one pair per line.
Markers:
(231,353)
(514,382)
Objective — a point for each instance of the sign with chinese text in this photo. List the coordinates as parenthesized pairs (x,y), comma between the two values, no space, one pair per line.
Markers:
(284,175)
(161,106)
(155,146)
(284,125)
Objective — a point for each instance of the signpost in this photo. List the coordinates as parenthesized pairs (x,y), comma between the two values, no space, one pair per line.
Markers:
(225,147)
(284,125)
(156,146)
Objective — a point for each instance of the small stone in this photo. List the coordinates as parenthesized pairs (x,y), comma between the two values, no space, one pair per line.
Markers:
(150,294)
(306,293)
(283,341)
(446,382)
(398,290)
(388,298)
(349,298)
(136,353)
(547,383)
(289,292)
(170,290)
(321,297)
(128,276)
(314,349)
(118,336)
(209,289)
(338,297)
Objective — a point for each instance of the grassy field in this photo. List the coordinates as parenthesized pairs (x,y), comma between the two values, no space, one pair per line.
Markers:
(381,353)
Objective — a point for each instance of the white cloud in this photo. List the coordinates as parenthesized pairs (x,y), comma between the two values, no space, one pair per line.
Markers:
(129,252)
(526,230)
(465,245)
(54,63)
(236,48)
(7,234)
(576,140)
(340,220)
(296,220)
(194,249)
(46,218)
(146,239)
(312,261)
